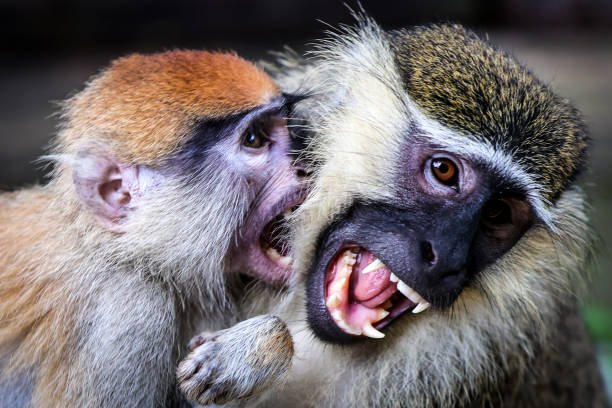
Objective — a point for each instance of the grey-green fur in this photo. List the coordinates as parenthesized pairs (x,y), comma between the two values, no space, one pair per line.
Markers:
(470,86)
(517,338)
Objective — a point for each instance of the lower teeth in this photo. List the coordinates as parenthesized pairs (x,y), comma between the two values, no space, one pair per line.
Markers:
(358,319)
(276,256)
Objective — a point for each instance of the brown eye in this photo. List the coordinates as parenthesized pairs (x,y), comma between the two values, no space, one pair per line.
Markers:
(445,171)
(255,137)
(497,212)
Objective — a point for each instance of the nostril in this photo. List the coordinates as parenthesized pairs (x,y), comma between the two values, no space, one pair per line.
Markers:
(428,253)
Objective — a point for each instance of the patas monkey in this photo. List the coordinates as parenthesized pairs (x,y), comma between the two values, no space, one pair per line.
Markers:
(168,166)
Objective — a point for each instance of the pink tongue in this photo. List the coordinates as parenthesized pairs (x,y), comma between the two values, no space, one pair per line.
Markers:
(370,285)
(382,297)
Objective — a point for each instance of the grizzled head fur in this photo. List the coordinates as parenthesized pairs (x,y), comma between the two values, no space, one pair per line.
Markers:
(481,92)
(376,95)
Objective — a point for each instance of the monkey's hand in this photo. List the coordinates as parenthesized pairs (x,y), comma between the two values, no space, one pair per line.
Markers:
(236,363)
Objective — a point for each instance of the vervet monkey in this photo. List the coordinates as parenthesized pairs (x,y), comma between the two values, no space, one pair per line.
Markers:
(441,250)
(167,166)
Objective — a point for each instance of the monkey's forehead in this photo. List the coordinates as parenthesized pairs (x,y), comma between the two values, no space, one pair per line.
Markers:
(467,85)
(148,103)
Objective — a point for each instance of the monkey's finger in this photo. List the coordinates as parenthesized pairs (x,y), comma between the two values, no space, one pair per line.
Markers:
(219,393)
(192,364)
(187,368)
(195,388)
(200,339)
(199,382)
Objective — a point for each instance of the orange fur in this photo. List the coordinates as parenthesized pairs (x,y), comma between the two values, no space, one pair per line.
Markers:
(32,328)
(147,104)
(144,107)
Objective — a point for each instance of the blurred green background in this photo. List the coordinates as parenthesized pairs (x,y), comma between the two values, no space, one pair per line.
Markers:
(49,48)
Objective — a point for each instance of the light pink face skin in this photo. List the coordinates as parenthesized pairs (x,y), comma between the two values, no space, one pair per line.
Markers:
(112,190)
(107,187)
(279,188)
(262,174)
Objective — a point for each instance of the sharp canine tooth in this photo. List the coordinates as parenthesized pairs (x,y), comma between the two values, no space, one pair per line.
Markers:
(420,307)
(377,264)
(409,292)
(370,331)
(404,289)
(393,278)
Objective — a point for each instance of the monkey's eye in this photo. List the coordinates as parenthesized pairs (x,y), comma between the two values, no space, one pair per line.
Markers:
(255,137)
(445,171)
(497,212)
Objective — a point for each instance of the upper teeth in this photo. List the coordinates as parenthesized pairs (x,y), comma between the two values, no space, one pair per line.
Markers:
(409,292)
(402,287)
(338,292)
(373,266)
(421,304)
(420,307)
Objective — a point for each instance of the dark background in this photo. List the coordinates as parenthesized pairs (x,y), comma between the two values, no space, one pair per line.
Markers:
(48,49)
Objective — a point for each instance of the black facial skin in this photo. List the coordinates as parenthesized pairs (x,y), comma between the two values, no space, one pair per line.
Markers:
(208,133)
(434,237)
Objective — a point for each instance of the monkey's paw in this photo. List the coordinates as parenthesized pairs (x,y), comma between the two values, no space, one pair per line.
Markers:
(236,363)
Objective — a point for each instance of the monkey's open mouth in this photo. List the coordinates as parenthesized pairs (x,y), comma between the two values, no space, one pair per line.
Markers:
(263,250)
(362,295)
(274,239)
(270,249)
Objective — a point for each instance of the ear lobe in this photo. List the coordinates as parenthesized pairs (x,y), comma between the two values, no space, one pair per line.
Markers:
(105,187)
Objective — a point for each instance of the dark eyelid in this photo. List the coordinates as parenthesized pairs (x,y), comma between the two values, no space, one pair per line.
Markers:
(205,133)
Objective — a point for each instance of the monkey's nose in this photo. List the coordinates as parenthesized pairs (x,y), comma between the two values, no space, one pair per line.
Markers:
(442,267)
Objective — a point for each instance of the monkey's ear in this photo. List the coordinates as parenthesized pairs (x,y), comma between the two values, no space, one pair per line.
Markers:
(106,187)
